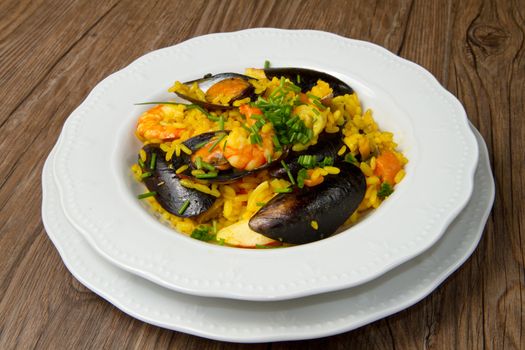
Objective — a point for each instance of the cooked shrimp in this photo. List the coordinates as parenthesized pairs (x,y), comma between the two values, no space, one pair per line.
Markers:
(159,124)
(240,152)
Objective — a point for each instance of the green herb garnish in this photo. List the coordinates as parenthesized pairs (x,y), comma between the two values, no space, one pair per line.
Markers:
(217,142)
(184,207)
(385,190)
(266,64)
(202,233)
(285,166)
(208,166)
(301,176)
(145,175)
(153,161)
(146,195)
(349,158)
(198,162)
(210,175)
(221,123)
(283,190)
(307,160)
(200,145)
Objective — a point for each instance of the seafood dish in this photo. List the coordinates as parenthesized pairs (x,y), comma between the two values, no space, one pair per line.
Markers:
(270,158)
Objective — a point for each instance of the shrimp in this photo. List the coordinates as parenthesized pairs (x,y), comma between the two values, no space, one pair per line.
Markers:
(159,124)
(240,152)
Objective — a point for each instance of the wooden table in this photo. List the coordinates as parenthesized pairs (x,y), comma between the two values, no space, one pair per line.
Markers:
(53,53)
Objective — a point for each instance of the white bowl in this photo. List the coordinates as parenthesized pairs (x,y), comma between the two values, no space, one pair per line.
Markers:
(98,194)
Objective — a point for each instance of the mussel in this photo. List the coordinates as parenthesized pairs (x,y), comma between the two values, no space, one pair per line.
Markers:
(307,78)
(225,172)
(231,86)
(171,195)
(289,217)
(327,146)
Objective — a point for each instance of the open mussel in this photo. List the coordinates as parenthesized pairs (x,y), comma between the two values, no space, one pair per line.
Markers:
(291,217)
(224,88)
(171,195)
(206,151)
(307,78)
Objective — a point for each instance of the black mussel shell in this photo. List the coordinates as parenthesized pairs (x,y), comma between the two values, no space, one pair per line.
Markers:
(307,78)
(327,146)
(170,194)
(288,216)
(212,81)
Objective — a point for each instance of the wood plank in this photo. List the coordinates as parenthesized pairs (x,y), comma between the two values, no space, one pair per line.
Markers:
(53,53)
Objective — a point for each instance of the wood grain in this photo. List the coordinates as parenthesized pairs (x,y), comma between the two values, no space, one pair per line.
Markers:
(53,53)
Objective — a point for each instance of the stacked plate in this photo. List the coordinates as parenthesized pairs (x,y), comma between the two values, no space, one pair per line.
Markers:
(388,261)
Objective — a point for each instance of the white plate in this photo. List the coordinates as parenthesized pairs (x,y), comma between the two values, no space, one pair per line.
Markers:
(98,194)
(244,321)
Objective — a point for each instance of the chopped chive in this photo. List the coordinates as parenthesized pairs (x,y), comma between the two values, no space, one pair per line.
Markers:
(349,158)
(266,64)
(146,195)
(213,118)
(312,96)
(283,190)
(316,111)
(208,166)
(298,79)
(301,176)
(141,163)
(224,147)
(285,166)
(145,175)
(153,161)
(184,207)
(276,143)
(198,162)
(319,105)
(210,175)
(245,127)
(385,190)
(200,145)
(294,88)
(202,233)
(309,133)
(221,123)
(291,121)
(216,142)
(307,160)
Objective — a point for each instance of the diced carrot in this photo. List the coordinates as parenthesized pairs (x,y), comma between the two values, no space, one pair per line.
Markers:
(313,182)
(387,166)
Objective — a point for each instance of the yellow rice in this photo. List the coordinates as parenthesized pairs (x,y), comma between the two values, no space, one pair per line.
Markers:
(243,198)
